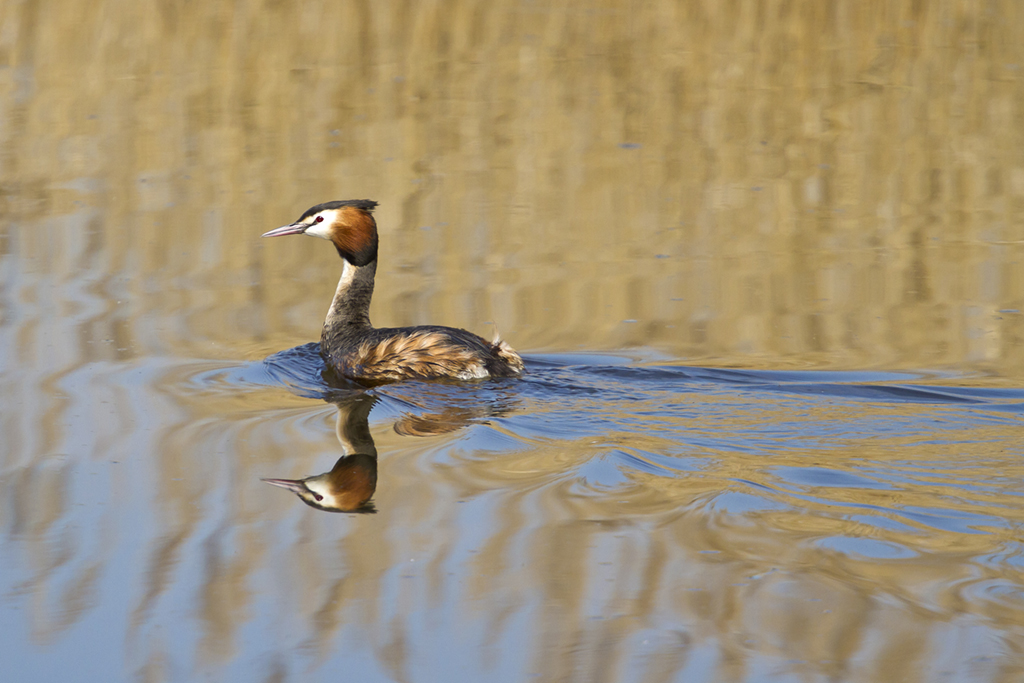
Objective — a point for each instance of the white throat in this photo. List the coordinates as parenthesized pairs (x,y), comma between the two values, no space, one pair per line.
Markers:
(348,275)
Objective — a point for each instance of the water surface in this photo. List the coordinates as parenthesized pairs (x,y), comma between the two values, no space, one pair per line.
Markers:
(763,259)
(602,518)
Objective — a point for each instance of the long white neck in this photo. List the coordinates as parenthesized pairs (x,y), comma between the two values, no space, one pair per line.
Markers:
(351,305)
(353,426)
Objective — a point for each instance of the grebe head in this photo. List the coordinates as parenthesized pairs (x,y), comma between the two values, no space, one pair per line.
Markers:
(346,488)
(348,224)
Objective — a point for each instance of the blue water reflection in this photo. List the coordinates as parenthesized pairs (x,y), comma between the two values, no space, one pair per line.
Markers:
(631,502)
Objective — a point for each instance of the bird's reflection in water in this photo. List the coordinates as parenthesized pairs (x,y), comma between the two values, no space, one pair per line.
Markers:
(350,484)
(352,481)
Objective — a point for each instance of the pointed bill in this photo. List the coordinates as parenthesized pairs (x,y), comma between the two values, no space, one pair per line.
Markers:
(293,485)
(293,229)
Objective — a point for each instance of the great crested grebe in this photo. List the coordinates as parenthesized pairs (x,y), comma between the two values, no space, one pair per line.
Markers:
(353,479)
(356,349)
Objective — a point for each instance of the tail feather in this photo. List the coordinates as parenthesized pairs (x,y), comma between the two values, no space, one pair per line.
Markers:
(508,355)
(510,363)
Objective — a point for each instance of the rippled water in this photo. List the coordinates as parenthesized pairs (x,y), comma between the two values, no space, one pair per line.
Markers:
(763,259)
(604,518)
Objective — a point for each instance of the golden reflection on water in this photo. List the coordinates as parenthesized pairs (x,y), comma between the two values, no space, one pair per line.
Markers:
(760,185)
(752,184)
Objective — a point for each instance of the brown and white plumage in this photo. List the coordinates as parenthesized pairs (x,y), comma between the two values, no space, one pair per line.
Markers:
(350,484)
(354,348)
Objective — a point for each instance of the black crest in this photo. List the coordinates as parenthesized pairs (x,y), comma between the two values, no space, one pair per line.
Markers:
(367,205)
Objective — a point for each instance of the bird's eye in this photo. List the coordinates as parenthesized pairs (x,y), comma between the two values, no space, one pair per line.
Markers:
(318,497)
(319,219)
